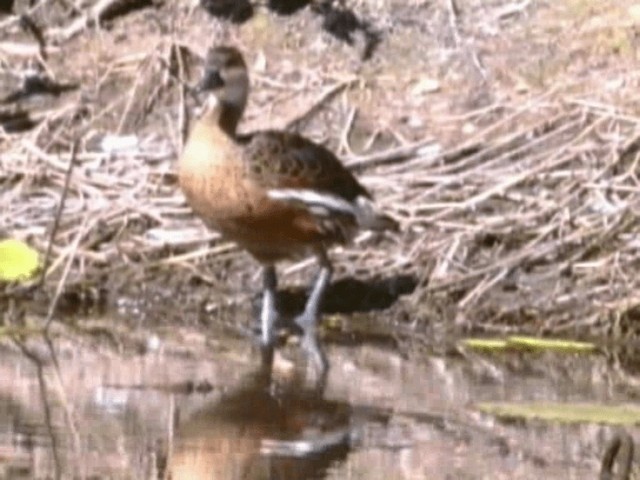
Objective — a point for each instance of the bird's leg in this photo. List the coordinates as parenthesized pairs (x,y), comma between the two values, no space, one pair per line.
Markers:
(268,315)
(308,320)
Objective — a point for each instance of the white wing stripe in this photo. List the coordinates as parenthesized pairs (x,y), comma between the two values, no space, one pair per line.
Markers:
(316,202)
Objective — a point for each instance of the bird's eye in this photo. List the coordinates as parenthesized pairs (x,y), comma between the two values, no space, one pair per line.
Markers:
(211,80)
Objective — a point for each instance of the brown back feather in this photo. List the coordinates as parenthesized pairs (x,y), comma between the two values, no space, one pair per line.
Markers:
(279,159)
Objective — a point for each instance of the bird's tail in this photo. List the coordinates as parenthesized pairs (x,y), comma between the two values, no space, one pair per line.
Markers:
(370,219)
(323,204)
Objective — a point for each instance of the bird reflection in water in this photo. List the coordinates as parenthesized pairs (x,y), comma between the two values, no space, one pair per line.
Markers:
(255,433)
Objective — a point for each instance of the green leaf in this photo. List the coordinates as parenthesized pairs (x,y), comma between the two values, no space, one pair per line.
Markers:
(18,261)
(526,343)
(550,344)
(565,412)
(485,344)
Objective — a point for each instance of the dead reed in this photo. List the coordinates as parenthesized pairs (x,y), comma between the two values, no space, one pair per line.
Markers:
(530,223)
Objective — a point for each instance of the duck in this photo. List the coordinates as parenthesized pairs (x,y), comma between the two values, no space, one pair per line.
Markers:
(277,194)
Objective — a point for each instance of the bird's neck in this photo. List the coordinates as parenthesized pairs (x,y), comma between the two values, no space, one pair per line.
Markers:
(221,116)
(229,117)
(226,109)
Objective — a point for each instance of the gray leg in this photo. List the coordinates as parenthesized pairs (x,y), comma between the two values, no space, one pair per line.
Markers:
(268,315)
(308,320)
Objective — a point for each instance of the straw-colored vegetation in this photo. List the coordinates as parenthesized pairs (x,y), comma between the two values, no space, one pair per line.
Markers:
(503,135)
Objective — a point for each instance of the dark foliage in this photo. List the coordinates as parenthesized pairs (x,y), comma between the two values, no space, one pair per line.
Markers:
(16,122)
(236,11)
(6,6)
(343,24)
(287,7)
(37,84)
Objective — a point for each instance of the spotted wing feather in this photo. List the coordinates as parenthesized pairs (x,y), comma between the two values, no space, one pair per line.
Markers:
(283,160)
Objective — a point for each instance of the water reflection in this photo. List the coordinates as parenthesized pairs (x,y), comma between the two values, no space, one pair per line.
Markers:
(75,408)
(255,432)
(15,461)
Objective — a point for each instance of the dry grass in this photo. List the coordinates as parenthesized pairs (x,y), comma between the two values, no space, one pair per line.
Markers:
(529,222)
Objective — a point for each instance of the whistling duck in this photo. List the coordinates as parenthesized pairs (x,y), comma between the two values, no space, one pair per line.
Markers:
(276,194)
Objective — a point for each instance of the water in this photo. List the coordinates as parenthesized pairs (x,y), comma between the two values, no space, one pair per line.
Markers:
(193,407)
